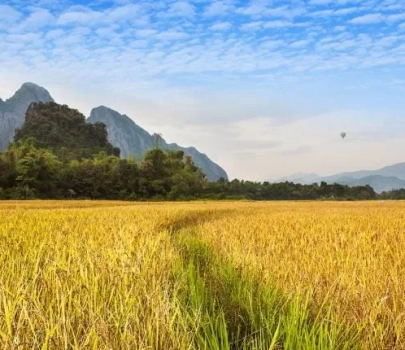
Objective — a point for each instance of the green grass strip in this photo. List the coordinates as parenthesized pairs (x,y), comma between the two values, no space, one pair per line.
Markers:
(224,308)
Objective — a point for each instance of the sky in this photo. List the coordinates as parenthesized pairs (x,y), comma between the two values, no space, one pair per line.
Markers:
(263,87)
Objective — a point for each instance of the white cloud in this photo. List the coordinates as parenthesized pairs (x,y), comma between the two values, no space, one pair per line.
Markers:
(252,25)
(277,24)
(8,14)
(217,8)
(79,17)
(171,35)
(181,9)
(54,34)
(126,12)
(221,26)
(320,2)
(37,19)
(299,43)
(322,13)
(252,10)
(367,19)
(261,9)
(144,33)
(339,28)
(396,17)
(345,11)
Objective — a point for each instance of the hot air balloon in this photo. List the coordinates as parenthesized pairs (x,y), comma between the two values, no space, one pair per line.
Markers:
(343,134)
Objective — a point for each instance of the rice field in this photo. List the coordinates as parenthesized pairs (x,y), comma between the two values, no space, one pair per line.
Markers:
(214,275)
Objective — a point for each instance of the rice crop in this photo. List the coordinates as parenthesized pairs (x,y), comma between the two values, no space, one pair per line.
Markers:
(214,275)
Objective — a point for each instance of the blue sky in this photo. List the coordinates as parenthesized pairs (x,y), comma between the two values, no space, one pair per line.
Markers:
(262,87)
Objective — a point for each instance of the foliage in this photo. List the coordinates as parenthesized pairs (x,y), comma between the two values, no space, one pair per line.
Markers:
(287,191)
(24,169)
(162,175)
(64,130)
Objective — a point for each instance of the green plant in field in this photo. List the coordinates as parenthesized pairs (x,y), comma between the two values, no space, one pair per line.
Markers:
(229,309)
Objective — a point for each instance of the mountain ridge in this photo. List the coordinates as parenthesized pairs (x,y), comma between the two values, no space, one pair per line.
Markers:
(390,177)
(133,140)
(378,182)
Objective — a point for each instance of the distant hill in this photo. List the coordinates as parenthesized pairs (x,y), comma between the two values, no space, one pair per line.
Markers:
(377,182)
(300,178)
(125,134)
(384,179)
(396,170)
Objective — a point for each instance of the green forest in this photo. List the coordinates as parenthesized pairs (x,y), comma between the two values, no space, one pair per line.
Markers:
(56,154)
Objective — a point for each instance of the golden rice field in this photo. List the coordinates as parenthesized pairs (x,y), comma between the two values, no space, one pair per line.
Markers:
(215,275)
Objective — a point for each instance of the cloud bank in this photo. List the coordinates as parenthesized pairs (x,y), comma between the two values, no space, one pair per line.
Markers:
(241,79)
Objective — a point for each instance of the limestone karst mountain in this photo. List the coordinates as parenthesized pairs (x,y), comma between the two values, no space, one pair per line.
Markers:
(123,132)
(12,111)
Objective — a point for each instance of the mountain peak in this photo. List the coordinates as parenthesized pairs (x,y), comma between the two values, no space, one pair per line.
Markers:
(105,111)
(102,108)
(30,85)
(12,111)
(31,92)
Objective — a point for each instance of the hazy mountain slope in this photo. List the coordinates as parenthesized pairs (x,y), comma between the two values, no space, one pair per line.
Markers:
(124,133)
(383,179)
(12,111)
(300,178)
(396,170)
(377,182)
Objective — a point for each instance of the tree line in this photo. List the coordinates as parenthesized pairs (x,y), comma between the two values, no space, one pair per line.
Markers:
(56,154)
(28,171)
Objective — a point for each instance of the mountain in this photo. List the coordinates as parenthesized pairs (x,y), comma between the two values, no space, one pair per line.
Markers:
(384,179)
(12,111)
(122,131)
(377,182)
(125,134)
(64,131)
(396,170)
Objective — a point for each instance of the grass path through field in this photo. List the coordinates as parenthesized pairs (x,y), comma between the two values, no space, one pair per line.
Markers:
(227,308)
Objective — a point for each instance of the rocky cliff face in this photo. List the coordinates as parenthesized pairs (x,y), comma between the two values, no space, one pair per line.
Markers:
(12,111)
(124,133)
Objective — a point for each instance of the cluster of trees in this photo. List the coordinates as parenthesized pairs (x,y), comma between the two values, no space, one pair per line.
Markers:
(56,154)
(64,131)
(28,171)
(394,194)
(289,191)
